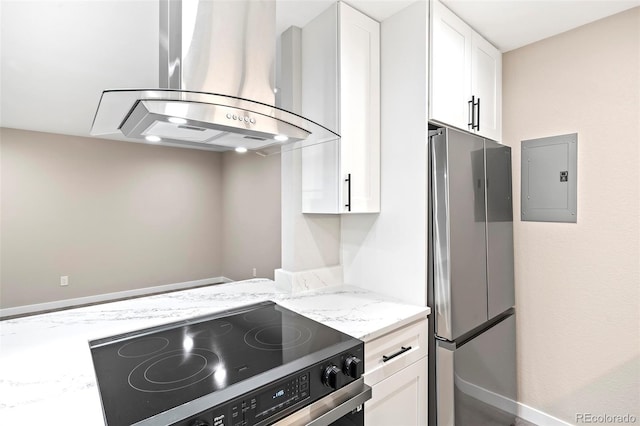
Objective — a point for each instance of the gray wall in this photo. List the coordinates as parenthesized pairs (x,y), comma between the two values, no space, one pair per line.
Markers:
(117,216)
(251,215)
(578,285)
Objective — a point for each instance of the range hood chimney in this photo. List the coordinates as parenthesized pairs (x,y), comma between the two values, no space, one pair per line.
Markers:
(217,78)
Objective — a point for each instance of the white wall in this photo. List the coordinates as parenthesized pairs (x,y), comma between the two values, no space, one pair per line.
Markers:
(578,285)
(387,252)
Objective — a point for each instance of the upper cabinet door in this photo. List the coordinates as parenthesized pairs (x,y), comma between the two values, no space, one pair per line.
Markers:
(486,85)
(342,176)
(466,76)
(360,109)
(450,68)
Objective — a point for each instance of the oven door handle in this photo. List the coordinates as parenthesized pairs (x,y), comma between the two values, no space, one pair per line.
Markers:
(330,408)
(344,408)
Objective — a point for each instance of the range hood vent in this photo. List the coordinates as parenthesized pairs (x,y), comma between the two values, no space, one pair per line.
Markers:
(217,62)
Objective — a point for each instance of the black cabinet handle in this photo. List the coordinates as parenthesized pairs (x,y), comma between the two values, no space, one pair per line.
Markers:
(400,352)
(472,115)
(348,180)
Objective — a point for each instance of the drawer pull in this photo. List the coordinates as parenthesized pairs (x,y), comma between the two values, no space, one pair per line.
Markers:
(400,352)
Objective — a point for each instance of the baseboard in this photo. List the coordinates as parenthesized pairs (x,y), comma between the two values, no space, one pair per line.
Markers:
(508,405)
(488,397)
(107,297)
(538,417)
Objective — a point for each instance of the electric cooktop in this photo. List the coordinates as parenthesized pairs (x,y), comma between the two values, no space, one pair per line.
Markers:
(178,371)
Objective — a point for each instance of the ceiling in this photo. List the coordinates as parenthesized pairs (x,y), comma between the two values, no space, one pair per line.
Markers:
(58,56)
(510,24)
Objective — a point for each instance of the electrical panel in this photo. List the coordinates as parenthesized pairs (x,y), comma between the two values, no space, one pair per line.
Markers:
(549,179)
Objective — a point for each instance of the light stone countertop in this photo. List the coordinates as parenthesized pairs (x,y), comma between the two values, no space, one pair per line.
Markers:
(46,371)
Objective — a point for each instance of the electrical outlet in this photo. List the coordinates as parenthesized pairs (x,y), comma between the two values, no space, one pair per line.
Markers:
(255,273)
(64,280)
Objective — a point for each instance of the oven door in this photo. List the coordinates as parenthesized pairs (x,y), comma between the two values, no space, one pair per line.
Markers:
(344,407)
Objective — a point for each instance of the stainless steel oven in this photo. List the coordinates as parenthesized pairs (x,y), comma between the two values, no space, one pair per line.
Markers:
(256,365)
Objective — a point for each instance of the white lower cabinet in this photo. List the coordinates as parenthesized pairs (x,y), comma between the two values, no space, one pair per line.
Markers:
(396,370)
(400,400)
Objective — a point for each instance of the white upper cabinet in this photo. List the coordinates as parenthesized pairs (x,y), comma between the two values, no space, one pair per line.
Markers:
(450,77)
(466,76)
(486,86)
(341,90)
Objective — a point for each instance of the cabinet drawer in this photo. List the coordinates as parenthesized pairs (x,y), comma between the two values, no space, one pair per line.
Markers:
(392,352)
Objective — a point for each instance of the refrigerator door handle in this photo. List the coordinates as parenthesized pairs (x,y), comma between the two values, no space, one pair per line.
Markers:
(446,344)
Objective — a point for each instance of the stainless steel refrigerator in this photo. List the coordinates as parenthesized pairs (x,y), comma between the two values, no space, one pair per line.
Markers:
(472,363)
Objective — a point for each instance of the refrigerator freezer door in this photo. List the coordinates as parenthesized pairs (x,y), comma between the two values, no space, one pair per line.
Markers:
(459,248)
(476,382)
(500,281)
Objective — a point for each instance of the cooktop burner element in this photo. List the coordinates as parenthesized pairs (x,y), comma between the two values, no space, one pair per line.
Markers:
(261,316)
(194,369)
(143,347)
(275,337)
(173,370)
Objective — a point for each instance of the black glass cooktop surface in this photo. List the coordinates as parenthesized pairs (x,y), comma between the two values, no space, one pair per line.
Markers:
(147,372)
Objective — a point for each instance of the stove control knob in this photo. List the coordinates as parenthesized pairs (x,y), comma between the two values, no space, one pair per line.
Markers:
(353,367)
(333,377)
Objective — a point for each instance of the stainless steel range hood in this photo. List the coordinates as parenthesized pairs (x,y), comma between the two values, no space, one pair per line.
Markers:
(217,78)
